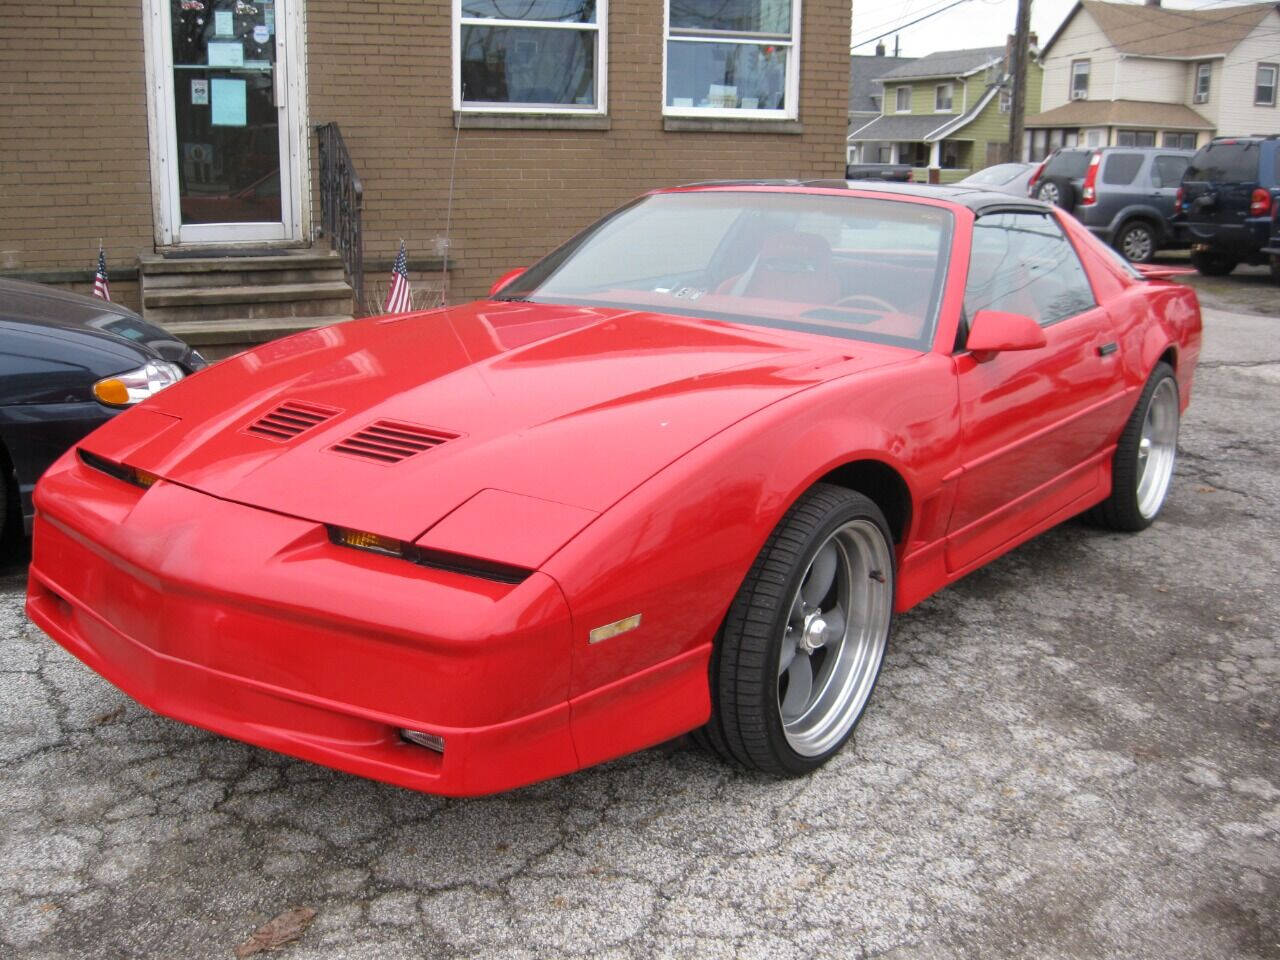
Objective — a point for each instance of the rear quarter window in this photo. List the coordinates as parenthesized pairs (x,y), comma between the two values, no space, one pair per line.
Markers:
(1068,163)
(1225,162)
(1121,168)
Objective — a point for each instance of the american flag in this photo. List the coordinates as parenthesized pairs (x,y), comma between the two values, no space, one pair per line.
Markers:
(101,288)
(399,299)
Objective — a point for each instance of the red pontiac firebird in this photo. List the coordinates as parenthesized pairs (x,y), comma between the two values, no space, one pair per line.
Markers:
(676,476)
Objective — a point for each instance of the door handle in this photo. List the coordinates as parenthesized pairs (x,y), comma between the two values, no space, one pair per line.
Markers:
(1107,349)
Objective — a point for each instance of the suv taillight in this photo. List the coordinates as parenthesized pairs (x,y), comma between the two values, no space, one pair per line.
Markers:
(1090,194)
(1177,201)
(1260,202)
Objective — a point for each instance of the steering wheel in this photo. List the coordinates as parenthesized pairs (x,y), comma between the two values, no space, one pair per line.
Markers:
(883,305)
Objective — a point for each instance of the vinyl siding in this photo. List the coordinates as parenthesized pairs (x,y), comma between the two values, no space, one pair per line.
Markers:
(1237,114)
(1077,42)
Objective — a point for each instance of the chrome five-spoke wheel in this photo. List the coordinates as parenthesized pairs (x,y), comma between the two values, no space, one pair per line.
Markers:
(800,650)
(834,638)
(1157,448)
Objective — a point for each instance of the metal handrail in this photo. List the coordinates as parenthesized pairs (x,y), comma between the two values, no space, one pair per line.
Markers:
(341,207)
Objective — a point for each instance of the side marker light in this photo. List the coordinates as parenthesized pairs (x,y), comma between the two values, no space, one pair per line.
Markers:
(611,630)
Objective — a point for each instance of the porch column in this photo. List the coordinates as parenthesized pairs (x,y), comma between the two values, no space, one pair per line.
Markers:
(935,162)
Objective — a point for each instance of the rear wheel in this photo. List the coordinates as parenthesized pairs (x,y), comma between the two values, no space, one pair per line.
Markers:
(1137,241)
(1212,264)
(1057,191)
(801,648)
(1142,467)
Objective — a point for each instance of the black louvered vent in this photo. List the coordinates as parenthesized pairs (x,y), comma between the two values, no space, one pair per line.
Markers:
(386,441)
(290,419)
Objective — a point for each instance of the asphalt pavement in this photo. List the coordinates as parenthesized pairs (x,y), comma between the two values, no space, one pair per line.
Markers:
(1073,753)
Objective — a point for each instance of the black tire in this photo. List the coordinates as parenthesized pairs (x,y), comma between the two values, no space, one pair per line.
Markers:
(1137,241)
(1122,509)
(746,725)
(1058,191)
(1275,268)
(1212,264)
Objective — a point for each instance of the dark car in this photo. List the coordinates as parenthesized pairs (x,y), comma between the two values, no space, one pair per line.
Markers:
(68,364)
(893,172)
(1229,205)
(1124,195)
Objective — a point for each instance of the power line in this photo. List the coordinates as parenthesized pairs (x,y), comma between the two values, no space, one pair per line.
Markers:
(912,23)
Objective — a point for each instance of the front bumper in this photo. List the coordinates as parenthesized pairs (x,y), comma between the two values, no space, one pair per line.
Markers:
(253,625)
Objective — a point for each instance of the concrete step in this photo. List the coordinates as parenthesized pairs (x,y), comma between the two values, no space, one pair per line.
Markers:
(155,265)
(256,302)
(204,333)
(255,276)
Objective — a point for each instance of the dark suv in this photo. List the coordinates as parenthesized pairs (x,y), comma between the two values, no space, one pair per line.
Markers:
(1229,205)
(1125,195)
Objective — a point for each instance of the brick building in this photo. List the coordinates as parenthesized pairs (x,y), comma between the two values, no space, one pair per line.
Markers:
(183,133)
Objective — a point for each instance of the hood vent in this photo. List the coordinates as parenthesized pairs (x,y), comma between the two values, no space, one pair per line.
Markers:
(290,419)
(386,441)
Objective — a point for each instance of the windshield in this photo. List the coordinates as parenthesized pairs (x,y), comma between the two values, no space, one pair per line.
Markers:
(843,266)
(1071,164)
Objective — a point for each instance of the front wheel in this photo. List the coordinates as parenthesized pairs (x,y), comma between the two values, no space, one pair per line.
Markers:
(1142,467)
(801,648)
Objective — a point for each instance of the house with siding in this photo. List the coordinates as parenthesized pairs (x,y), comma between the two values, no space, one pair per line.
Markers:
(1118,74)
(946,114)
(221,149)
(866,97)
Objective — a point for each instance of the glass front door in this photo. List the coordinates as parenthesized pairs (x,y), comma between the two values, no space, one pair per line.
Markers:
(229,121)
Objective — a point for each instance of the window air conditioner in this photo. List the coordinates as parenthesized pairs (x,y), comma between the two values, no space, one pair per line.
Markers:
(1079,95)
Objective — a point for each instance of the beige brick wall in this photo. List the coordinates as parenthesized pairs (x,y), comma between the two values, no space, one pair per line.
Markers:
(382,71)
(74,162)
(73,134)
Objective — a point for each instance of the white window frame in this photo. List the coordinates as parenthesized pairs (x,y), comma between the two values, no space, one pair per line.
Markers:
(897,99)
(951,98)
(1076,71)
(601,27)
(791,85)
(1204,71)
(1257,82)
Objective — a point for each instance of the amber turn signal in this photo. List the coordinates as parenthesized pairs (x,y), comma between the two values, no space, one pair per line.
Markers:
(111,391)
(362,540)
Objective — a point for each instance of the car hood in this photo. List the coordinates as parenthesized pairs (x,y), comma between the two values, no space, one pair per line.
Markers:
(114,329)
(569,407)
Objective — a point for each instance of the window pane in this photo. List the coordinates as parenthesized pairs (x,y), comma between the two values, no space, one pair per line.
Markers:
(741,16)
(1266,87)
(1021,263)
(527,65)
(1169,170)
(1234,162)
(563,11)
(726,75)
(1121,168)
(904,99)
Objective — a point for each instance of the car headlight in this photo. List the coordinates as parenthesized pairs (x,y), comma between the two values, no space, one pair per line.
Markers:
(126,389)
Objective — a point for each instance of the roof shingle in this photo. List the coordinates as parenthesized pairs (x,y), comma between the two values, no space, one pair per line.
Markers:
(946,63)
(1159,32)
(1128,113)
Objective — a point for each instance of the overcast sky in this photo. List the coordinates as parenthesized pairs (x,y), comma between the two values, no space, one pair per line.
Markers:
(974,23)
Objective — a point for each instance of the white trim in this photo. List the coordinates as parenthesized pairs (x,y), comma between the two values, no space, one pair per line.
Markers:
(293,144)
(601,67)
(965,118)
(791,84)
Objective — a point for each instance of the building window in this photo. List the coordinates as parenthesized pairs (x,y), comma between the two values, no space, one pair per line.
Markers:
(545,56)
(942,95)
(1079,79)
(902,102)
(1203,72)
(1006,100)
(737,59)
(1182,141)
(1264,94)
(1135,138)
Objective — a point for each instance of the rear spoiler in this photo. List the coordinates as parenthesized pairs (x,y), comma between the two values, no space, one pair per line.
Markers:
(1152,271)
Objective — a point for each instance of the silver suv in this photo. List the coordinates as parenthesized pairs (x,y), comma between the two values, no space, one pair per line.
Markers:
(1125,195)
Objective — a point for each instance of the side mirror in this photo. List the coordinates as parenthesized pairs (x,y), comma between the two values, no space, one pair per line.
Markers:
(505,279)
(993,331)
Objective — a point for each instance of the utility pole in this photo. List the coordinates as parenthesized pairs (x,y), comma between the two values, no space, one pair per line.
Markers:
(1018,104)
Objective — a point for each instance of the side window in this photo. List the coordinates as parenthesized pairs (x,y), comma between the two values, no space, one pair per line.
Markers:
(1168,171)
(1121,168)
(1022,263)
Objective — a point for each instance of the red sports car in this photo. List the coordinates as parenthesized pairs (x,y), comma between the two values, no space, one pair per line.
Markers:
(676,476)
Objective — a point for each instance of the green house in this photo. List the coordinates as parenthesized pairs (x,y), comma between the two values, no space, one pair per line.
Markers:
(947,112)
